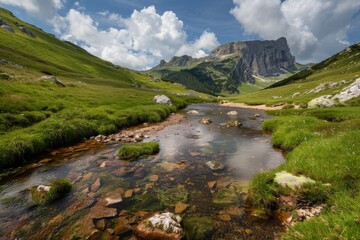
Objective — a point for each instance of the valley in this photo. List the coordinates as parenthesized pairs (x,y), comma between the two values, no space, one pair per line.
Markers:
(242,144)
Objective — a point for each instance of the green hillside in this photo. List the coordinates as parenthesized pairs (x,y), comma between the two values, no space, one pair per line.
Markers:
(98,97)
(322,143)
(344,65)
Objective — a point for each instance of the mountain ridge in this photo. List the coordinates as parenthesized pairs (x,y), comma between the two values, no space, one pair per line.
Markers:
(229,65)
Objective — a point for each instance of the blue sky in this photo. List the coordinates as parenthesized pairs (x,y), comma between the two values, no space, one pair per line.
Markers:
(139,33)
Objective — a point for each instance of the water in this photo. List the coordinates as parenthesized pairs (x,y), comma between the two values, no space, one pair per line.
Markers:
(182,173)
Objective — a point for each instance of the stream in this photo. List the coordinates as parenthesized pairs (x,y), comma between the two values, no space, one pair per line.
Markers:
(178,177)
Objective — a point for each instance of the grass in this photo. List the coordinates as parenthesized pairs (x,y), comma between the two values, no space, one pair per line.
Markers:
(58,189)
(325,146)
(99,98)
(134,151)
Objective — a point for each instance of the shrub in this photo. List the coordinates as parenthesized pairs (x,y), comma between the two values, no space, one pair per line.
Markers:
(58,189)
(131,152)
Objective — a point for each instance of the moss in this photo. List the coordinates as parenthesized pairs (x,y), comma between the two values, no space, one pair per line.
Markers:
(198,228)
(134,151)
(171,196)
(58,189)
(227,196)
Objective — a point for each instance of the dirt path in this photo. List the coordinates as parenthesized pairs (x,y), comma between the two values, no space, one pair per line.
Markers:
(243,105)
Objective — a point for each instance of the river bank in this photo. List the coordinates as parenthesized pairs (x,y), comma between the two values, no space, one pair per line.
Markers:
(178,179)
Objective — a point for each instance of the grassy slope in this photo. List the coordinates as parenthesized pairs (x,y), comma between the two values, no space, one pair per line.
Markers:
(36,115)
(324,144)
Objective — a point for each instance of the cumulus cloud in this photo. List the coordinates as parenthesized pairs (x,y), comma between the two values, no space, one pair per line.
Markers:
(39,8)
(315,29)
(138,42)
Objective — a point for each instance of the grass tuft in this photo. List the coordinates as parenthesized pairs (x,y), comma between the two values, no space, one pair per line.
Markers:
(134,151)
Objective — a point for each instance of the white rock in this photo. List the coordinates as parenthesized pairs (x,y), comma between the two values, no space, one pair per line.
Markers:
(194,112)
(286,179)
(44,188)
(167,222)
(232,113)
(349,92)
(163,99)
(323,101)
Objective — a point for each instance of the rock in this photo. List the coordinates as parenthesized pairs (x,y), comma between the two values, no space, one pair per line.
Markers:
(234,211)
(98,212)
(211,184)
(113,201)
(154,178)
(101,224)
(233,123)
(27,31)
(121,226)
(349,92)
(193,112)
(180,207)
(320,102)
(286,179)
(257,115)
(215,165)
(205,121)
(129,193)
(248,231)
(295,94)
(56,81)
(165,226)
(232,113)
(8,28)
(163,100)
(94,235)
(43,188)
(120,172)
(225,217)
(95,186)
(224,101)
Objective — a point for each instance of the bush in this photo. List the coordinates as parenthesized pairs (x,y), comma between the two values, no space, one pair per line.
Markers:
(131,152)
(58,189)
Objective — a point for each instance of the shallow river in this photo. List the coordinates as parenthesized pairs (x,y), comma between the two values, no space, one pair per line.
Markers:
(178,174)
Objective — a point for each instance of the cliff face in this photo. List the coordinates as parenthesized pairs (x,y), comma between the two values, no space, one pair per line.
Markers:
(262,58)
(230,65)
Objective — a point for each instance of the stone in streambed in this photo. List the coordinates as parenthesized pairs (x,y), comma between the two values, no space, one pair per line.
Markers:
(181,207)
(96,185)
(165,226)
(215,165)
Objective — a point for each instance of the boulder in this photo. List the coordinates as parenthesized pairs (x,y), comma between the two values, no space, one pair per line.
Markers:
(349,92)
(286,179)
(232,113)
(193,112)
(163,100)
(165,226)
(27,31)
(215,165)
(321,102)
(54,80)
(233,123)
(205,121)
(8,28)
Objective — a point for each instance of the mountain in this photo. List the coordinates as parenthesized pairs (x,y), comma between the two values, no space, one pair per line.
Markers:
(228,66)
(329,77)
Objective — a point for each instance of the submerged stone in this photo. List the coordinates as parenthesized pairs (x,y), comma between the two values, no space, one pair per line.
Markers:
(232,113)
(215,165)
(193,112)
(286,179)
(181,207)
(205,121)
(233,123)
(197,227)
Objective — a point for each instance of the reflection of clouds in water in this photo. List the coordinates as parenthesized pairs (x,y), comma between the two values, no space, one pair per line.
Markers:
(179,139)
(251,156)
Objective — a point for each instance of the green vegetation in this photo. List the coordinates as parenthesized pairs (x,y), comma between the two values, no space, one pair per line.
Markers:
(134,151)
(172,196)
(198,228)
(36,115)
(58,189)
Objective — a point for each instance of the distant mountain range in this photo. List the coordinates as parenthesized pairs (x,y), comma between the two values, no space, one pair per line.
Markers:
(229,65)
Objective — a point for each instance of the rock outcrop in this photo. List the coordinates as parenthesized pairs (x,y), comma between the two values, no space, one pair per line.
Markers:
(262,58)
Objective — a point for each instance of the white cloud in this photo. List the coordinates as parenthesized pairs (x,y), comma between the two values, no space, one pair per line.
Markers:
(315,29)
(138,42)
(41,8)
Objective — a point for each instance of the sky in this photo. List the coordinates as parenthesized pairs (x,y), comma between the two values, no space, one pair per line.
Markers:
(139,33)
